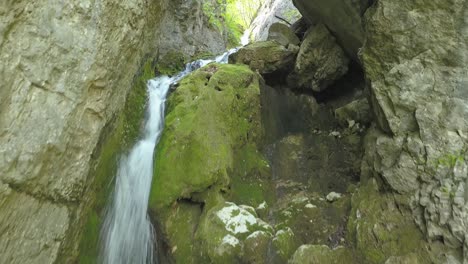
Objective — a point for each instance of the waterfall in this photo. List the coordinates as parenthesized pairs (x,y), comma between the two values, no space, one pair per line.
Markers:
(127,234)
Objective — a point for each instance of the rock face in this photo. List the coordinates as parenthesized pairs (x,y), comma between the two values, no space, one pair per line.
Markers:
(186,31)
(272,11)
(343,18)
(320,61)
(66,71)
(420,99)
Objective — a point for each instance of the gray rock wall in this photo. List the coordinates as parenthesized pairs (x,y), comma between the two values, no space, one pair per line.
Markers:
(268,15)
(415,60)
(66,68)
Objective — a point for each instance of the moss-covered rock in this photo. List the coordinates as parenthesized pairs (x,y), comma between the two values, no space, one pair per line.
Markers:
(380,229)
(223,230)
(212,116)
(256,247)
(284,244)
(171,63)
(209,152)
(265,57)
(318,254)
(312,219)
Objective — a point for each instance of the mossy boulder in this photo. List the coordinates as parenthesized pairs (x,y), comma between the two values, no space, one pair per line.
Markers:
(265,57)
(209,153)
(213,115)
(284,243)
(224,229)
(318,254)
(256,247)
(380,229)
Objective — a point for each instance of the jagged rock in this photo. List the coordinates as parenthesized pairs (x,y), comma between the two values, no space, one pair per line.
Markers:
(282,34)
(418,96)
(320,61)
(265,57)
(317,254)
(342,17)
(358,111)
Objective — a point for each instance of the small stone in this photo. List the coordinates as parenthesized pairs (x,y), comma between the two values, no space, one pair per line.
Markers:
(333,196)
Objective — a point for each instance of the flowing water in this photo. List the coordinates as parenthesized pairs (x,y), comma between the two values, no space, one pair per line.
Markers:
(127,234)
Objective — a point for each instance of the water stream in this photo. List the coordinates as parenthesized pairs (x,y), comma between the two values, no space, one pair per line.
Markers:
(127,234)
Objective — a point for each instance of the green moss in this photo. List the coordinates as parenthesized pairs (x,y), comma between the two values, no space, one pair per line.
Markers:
(117,138)
(378,228)
(214,112)
(171,63)
(311,254)
(181,226)
(285,244)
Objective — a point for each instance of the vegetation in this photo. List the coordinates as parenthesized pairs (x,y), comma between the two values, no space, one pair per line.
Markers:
(231,17)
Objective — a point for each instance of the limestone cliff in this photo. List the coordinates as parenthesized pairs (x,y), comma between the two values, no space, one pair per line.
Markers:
(66,69)
(414,55)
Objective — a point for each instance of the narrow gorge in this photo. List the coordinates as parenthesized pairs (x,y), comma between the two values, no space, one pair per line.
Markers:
(234,131)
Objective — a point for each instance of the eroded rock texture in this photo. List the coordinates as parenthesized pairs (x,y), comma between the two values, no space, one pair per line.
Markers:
(418,79)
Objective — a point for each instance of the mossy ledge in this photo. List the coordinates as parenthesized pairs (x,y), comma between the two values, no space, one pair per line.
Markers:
(117,138)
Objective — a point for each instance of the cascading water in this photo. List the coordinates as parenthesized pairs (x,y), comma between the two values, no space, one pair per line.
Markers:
(127,233)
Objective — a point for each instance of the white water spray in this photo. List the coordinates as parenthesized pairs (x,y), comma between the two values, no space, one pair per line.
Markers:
(127,234)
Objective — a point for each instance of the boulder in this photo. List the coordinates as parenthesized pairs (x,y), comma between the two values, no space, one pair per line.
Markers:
(342,17)
(285,243)
(212,121)
(317,254)
(256,247)
(225,228)
(358,111)
(265,57)
(282,34)
(320,61)
(212,129)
